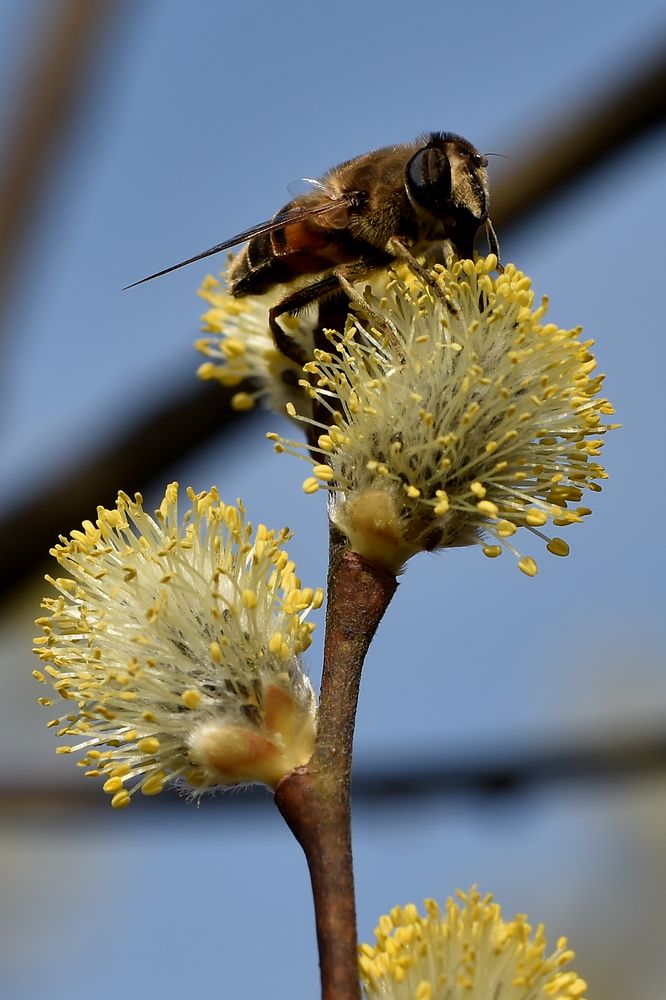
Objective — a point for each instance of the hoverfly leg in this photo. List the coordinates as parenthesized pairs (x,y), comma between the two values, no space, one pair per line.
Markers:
(285,344)
(398,249)
(356,299)
(493,244)
(298,300)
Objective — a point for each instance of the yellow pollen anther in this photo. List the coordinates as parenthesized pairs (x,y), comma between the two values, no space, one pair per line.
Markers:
(558,547)
(191,699)
(528,566)
(275,644)
(249,598)
(112,785)
(150,745)
(153,786)
(242,401)
(324,472)
(488,508)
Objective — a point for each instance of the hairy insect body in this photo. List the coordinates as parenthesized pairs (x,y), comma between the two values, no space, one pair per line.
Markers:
(412,194)
(387,205)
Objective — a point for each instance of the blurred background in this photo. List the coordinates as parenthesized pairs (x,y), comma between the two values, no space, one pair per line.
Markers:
(511,731)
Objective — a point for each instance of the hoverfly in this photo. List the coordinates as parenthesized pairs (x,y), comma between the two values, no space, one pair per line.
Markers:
(388,205)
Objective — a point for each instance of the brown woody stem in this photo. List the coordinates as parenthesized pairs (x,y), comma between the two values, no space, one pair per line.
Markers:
(315,799)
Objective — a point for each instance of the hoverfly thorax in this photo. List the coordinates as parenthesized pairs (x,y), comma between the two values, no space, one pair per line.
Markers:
(388,205)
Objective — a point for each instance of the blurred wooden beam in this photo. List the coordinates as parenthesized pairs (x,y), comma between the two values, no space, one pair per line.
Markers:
(50,95)
(593,135)
(392,784)
(161,437)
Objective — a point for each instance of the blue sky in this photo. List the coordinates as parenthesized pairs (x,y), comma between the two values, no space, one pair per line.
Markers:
(195,120)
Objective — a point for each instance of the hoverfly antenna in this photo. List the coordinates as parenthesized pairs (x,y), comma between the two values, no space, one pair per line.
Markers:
(503,155)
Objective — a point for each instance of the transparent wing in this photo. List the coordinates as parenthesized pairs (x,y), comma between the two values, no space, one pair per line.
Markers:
(306,185)
(294,214)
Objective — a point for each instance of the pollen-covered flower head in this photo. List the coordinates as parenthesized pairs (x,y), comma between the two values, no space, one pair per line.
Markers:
(466,953)
(463,419)
(174,648)
(239,343)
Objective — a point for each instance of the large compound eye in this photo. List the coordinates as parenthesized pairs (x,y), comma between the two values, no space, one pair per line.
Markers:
(428,179)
